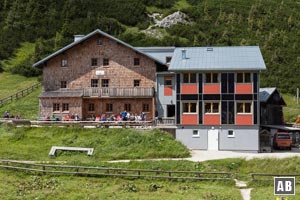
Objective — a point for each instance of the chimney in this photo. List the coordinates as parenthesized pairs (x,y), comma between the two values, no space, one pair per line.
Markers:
(78,37)
(183,55)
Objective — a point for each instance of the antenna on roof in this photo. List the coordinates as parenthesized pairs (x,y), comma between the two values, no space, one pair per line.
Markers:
(183,55)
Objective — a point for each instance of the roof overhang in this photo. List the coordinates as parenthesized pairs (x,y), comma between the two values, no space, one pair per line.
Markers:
(97,31)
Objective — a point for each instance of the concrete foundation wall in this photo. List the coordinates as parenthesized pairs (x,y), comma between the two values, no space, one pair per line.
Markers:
(244,139)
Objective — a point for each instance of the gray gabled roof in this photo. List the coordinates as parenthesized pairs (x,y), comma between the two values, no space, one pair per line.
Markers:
(265,93)
(160,53)
(240,58)
(97,31)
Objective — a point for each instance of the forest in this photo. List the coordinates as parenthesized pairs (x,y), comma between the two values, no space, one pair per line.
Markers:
(32,29)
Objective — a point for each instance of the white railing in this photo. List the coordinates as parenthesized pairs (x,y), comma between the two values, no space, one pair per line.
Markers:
(119,92)
(165,121)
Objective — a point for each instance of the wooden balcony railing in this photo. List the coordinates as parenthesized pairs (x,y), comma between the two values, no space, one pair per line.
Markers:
(119,92)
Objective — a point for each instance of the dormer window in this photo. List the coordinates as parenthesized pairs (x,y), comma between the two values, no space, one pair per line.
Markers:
(64,62)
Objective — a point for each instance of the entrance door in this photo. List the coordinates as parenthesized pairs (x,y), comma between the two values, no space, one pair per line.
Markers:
(213,139)
(170,110)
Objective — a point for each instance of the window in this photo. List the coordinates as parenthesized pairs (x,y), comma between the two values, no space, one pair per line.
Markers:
(65,107)
(230,134)
(168,81)
(168,59)
(189,107)
(136,61)
(243,107)
(196,133)
(100,41)
(212,107)
(109,107)
(91,107)
(127,107)
(243,78)
(189,78)
(136,83)
(55,107)
(63,84)
(94,82)
(64,62)
(105,61)
(94,61)
(211,78)
(104,82)
(146,108)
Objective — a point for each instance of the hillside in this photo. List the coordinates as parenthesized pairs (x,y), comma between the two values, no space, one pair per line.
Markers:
(45,26)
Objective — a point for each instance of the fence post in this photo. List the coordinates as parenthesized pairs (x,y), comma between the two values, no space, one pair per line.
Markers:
(252,177)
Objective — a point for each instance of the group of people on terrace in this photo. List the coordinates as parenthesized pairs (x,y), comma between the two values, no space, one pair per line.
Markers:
(123,116)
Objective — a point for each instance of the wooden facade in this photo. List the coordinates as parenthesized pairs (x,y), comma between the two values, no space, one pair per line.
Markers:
(107,76)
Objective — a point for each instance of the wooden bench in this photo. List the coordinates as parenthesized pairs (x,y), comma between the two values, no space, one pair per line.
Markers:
(54,148)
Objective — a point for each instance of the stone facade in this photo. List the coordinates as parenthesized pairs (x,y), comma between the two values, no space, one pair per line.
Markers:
(79,71)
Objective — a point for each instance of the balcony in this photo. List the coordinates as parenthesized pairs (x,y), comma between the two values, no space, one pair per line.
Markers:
(119,92)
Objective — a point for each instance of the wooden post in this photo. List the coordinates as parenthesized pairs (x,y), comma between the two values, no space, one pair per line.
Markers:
(297,95)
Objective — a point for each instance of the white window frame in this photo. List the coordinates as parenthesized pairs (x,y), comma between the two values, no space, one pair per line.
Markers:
(231,135)
(196,135)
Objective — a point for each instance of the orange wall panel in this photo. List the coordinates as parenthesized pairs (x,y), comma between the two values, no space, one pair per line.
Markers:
(168,90)
(211,88)
(243,119)
(190,88)
(212,119)
(243,88)
(189,119)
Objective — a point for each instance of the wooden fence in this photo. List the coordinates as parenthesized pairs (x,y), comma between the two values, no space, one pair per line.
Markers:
(270,177)
(115,172)
(19,94)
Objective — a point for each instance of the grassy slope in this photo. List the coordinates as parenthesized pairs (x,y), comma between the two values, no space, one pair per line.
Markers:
(16,185)
(30,186)
(26,107)
(108,144)
(292,110)
(11,84)
(179,5)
